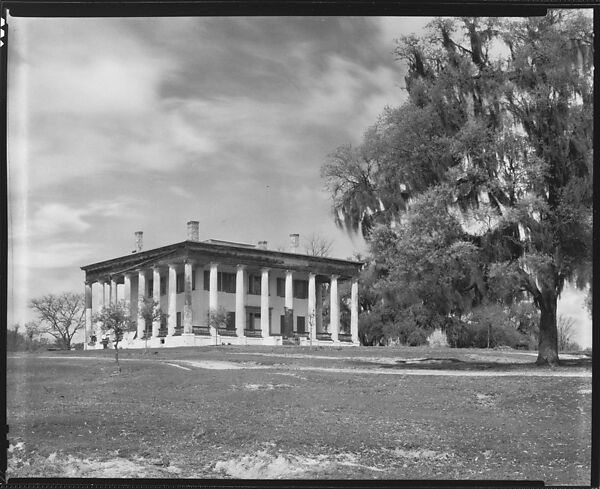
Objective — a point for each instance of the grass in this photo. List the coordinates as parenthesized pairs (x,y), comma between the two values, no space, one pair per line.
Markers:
(358,413)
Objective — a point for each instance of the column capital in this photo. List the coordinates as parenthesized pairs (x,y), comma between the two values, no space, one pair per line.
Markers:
(241,266)
(312,275)
(334,276)
(265,269)
(127,274)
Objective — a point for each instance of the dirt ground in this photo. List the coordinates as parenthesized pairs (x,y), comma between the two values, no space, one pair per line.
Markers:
(300,413)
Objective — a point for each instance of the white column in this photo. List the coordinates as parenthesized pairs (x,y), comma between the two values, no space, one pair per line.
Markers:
(319,309)
(289,289)
(213,293)
(312,306)
(88,314)
(100,292)
(101,303)
(113,291)
(187,292)
(127,292)
(213,290)
(354,311)
(240,301)
(264,303)
(334,309)
(172,319)
(156,298)
(289,299)
(141,326)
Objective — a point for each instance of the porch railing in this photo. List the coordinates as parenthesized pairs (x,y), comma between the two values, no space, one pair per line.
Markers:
(345,337)
(324,336)
(253,333)
(201,330)
(227,332)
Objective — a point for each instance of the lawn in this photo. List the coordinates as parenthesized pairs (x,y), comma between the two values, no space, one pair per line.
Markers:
(361,413)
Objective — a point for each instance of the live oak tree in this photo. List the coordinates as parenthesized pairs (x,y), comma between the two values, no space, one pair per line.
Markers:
(499,114)
(60,315)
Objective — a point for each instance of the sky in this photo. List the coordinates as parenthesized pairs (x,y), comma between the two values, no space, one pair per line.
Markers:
(142,124)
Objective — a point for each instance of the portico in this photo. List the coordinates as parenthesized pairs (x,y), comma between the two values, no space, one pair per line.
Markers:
(267,297)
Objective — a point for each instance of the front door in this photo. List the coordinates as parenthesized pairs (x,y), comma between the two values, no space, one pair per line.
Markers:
(287,324)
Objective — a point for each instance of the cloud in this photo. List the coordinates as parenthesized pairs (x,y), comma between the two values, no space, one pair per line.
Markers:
(117,125)
(57,220)
(55,255)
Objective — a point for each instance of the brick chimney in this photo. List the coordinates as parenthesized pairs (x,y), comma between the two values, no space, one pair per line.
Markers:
(262,245)
(192,231)
(294,242)
(139,241)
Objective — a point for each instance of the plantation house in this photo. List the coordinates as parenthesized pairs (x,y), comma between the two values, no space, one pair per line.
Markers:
(264,297)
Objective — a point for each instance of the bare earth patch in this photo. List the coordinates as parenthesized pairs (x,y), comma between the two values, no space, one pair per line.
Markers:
(60,465)
(266,465)
(222,365)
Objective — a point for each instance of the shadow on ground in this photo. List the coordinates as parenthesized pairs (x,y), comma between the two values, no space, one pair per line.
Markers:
(458,365)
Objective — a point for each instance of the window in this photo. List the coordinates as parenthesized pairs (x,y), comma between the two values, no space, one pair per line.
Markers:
(180,282)
(254,284)
(300,325)
(280,287)
(150,287)
(163,287)
(231,320)
(179,319)
(253,320)
(225,281)
(300,289)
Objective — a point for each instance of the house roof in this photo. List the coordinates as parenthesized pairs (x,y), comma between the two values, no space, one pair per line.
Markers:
(225,253)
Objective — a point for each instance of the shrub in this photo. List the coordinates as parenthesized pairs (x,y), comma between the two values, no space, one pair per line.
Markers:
(370,330)
(437,339)
(417,337)
(485,330)
(459,334)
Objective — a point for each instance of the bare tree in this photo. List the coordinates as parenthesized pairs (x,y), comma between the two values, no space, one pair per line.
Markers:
(61,316)
(32,331)
(317,245)
(116,319)
(150,312)
(565,331)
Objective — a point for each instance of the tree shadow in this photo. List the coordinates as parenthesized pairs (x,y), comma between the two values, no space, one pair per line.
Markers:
(456,364)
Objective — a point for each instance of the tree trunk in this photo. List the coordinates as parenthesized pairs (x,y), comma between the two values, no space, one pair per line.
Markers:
(117,356)
(548,340)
